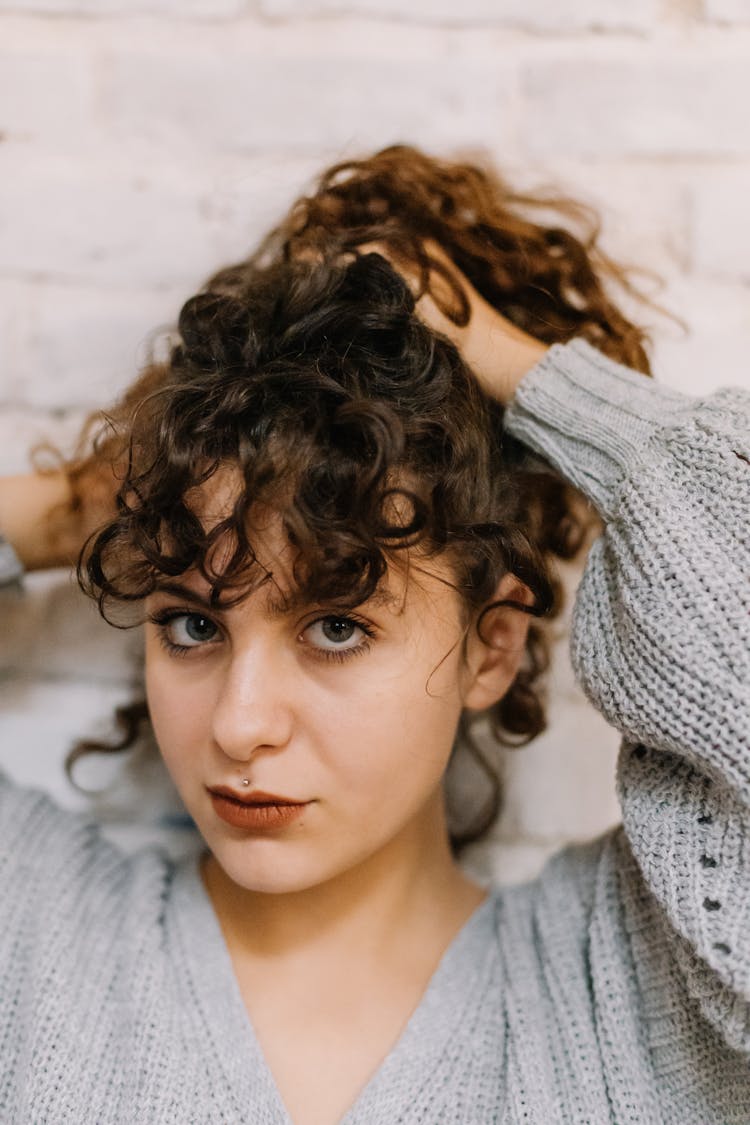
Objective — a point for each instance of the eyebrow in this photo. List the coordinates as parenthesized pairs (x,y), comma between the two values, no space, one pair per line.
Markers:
(277,607)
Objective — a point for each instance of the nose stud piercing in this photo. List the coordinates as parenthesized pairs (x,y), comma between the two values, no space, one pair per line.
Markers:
(245,781)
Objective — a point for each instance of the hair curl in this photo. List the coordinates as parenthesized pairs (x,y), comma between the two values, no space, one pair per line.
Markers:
(305,368)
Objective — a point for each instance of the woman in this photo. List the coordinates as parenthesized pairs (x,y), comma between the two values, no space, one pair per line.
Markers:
(336,515)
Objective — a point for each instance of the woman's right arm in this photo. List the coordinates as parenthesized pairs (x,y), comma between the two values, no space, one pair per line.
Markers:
(26,502)
(39,524)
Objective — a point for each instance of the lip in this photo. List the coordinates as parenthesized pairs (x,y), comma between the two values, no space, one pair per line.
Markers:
(256,811)
(254,797)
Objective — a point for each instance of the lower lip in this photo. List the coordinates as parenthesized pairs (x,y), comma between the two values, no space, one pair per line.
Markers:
(263,818)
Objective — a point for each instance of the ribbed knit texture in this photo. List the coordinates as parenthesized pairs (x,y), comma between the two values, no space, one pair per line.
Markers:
(11,568)
(615,987)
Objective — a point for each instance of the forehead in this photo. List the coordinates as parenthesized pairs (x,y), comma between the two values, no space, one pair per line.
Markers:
(411,579)
(274,583)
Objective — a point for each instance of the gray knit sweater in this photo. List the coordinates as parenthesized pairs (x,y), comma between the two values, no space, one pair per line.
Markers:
(615,987)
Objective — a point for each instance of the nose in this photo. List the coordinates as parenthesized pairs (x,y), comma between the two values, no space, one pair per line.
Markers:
(253,711)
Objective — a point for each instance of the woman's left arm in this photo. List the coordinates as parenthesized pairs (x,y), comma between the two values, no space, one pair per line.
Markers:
(660,638)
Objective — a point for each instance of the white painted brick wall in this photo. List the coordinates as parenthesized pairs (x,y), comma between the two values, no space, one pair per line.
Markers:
(659,103)
(172,9)
(728,11)
(82,343)
(45,93)
(266,89)
(107,223)
(537,15)
(143,143)
(721,203)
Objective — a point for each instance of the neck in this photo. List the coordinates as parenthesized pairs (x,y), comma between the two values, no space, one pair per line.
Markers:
(412,884)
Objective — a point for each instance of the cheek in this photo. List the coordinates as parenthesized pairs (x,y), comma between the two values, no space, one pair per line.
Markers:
(393,740)
(178,709)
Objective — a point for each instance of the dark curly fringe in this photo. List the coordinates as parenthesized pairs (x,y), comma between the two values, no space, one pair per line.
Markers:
(305,370)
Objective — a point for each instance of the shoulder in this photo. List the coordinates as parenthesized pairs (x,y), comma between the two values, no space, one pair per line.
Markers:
(62,881)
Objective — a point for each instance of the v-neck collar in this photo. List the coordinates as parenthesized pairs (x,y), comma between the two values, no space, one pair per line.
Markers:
(209,978)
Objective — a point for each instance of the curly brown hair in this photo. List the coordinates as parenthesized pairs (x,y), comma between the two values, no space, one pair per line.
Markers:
(305,367)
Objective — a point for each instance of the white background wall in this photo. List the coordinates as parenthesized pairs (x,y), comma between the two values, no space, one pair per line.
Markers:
(144,143)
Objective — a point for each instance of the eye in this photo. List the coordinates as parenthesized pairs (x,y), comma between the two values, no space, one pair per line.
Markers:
(332,637)
(338,637)
(180,630)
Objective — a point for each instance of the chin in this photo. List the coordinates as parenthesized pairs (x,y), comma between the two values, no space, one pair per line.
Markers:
(272,874)
(263,866)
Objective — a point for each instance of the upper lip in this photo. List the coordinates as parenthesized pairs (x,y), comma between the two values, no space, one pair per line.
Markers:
(254,797)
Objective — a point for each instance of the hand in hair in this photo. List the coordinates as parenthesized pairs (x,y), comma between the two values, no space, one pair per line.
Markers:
(497,351)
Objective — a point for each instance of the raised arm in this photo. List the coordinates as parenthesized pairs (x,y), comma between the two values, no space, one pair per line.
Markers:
(26,501)
(660,640)
(40,527)
(661,632)
(660,643)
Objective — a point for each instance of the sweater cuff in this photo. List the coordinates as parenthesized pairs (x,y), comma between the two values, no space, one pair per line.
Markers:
(11,567)
(590,417)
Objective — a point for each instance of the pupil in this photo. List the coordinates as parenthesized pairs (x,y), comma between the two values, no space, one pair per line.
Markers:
(198,633)
(336,630)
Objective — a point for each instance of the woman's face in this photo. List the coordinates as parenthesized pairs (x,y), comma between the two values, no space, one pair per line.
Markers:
(353,713)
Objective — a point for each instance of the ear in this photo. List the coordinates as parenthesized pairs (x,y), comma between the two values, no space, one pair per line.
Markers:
(492,660)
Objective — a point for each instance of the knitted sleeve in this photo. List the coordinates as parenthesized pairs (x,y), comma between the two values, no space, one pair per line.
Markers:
(660,640)
(11,569)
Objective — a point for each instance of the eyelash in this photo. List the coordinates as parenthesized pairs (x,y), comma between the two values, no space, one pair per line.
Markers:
(163,618)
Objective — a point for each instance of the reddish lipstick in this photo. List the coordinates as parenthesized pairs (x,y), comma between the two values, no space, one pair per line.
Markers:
(257,810)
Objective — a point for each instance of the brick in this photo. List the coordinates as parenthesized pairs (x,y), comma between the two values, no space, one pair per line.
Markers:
(99,219)
(714,354)
(146,244)
(658,105)
(267,89)
(84,346)
(643,207)
(536,15)
(14,313)
(657,218)
(242,197)
(721,233)
(727,11)
(139,224)
(176,9)
(45,92)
